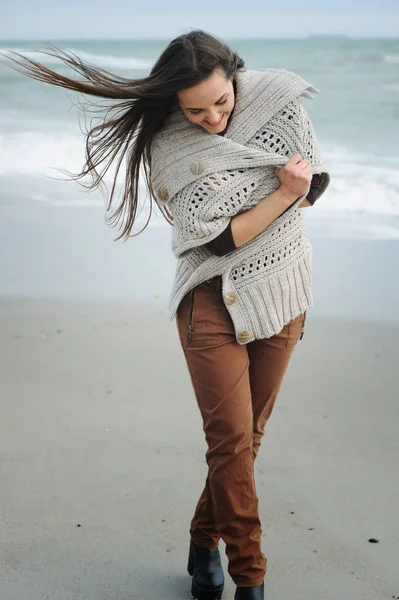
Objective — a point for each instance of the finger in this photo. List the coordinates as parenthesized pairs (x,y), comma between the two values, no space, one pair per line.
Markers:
(296,158)
(293,160)
(304,165)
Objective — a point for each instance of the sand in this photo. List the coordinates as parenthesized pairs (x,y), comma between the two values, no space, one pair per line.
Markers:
(102,458)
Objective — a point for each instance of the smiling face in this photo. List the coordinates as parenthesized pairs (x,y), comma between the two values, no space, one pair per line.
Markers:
(209,103)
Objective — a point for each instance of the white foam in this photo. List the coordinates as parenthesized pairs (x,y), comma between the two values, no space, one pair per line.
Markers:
(391,58)
(31,153)
(360,185)
(116,62)
(109,61)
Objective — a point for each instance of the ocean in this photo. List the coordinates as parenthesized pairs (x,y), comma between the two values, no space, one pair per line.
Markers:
(355,116)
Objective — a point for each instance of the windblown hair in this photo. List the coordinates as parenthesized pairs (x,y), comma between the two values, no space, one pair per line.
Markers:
(128,126)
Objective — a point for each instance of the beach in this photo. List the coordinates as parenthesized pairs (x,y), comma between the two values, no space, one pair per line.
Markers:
(103,458)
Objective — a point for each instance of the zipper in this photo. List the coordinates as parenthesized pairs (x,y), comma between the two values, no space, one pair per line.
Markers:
(190,321)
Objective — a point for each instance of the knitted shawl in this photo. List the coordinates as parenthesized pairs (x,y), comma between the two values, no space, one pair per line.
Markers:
(206,179)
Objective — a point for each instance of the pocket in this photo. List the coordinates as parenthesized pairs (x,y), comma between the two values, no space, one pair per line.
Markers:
(203,317)
(190,317)
(303,325)
(295,329)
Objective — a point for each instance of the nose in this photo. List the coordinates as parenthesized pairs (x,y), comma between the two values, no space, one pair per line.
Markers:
(214,116)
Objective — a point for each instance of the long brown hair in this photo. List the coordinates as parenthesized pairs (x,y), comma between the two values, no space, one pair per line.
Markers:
(129,126)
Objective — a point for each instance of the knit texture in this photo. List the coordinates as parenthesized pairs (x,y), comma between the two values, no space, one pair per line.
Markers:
(267,281)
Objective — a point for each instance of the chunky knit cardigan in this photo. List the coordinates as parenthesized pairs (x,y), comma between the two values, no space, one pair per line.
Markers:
(206,179)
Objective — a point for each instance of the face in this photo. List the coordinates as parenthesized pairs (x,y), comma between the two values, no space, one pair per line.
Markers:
(209,103)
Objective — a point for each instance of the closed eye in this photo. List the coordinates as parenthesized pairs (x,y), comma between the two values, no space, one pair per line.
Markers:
(197,112)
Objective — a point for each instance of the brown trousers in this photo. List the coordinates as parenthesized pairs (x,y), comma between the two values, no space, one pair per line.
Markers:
(236,387)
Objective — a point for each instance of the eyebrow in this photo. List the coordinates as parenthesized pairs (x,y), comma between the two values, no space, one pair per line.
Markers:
(188,108)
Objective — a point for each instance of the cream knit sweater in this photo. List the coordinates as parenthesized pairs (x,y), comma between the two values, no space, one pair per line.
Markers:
(207,179)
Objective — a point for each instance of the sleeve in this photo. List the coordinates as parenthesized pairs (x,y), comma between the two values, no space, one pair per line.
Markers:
(317,187)
(223,243)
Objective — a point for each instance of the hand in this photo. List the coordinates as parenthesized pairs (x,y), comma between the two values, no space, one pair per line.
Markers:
(295,177)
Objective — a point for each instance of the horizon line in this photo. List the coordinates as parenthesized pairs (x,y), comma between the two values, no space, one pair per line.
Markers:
(327,36)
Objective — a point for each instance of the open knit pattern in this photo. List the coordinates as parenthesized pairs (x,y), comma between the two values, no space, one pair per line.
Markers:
(267,281)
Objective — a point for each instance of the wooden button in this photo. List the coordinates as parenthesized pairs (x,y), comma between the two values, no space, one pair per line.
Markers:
(244,336)
(163,194)
(197,167)
(230,298)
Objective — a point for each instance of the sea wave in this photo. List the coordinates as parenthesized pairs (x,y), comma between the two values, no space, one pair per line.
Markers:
(391,58)
(359,183)
(114,62)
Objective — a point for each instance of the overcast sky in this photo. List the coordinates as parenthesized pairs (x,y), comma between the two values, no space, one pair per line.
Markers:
(116,19)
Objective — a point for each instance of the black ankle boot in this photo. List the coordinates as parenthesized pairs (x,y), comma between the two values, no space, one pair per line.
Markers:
(206,569)
(250,593)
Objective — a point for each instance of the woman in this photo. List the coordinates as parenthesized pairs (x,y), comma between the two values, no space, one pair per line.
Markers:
(230,157)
